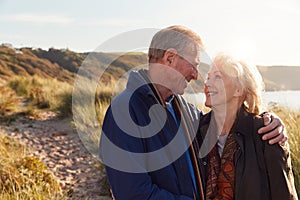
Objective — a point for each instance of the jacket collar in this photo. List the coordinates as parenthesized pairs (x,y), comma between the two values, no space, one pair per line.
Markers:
(244,121)
(136,81)
(140,80)
(241,125)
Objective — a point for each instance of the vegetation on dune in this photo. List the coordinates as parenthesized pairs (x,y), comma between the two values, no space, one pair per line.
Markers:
(292,121)
(44,93)
(24,63)
(23,176)
(90,102)
(63,64)
(67,59)
(8,100)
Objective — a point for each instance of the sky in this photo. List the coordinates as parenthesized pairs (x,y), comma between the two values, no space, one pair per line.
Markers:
(261,32)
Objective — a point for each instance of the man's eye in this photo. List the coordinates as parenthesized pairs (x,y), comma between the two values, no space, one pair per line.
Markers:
(218,76)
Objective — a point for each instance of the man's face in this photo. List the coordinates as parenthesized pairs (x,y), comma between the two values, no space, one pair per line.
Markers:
(186,65)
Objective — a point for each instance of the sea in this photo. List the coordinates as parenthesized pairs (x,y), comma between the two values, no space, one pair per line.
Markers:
(289,99)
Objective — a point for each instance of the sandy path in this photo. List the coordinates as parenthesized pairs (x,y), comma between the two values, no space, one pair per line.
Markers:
(59,147)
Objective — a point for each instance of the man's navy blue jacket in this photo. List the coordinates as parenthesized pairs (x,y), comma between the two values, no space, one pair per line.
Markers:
(136,166)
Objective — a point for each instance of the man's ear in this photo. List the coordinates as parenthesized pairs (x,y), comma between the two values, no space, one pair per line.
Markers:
(169,56)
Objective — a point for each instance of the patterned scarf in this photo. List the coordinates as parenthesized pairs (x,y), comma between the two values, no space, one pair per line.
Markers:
(220,183)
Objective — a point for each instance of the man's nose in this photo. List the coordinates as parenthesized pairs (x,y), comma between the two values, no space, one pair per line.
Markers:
(194,73)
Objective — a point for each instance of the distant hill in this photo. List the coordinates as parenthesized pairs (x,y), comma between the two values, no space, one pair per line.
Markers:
(276,78)
(64,64)
(24,62)
(281,77)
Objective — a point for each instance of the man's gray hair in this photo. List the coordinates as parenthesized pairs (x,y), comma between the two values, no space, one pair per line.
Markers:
(180,38)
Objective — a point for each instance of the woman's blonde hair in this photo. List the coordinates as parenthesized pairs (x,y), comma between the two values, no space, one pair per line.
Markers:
(246,77)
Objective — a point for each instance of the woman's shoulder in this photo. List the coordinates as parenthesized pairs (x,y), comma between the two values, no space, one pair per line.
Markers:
(258,121)
(247,118)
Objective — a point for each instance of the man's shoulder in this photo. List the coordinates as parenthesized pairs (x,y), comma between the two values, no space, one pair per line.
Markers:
(128,97)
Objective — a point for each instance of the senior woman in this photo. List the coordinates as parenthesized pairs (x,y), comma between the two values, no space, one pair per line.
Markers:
(240,165)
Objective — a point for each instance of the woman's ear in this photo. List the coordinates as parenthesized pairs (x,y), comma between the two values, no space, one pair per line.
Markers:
(238,92)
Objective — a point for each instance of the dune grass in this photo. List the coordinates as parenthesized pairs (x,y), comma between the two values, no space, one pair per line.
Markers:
(89,106)
(291,119)
(90,102)
(44,93)
(23,176)
(8,100)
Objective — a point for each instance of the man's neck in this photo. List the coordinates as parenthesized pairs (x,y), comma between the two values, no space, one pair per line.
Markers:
(158,80)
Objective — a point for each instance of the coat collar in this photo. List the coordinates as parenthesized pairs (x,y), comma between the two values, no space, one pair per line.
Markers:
(243,123)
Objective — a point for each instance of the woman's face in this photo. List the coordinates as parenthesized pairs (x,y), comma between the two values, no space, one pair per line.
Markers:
(219,88)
